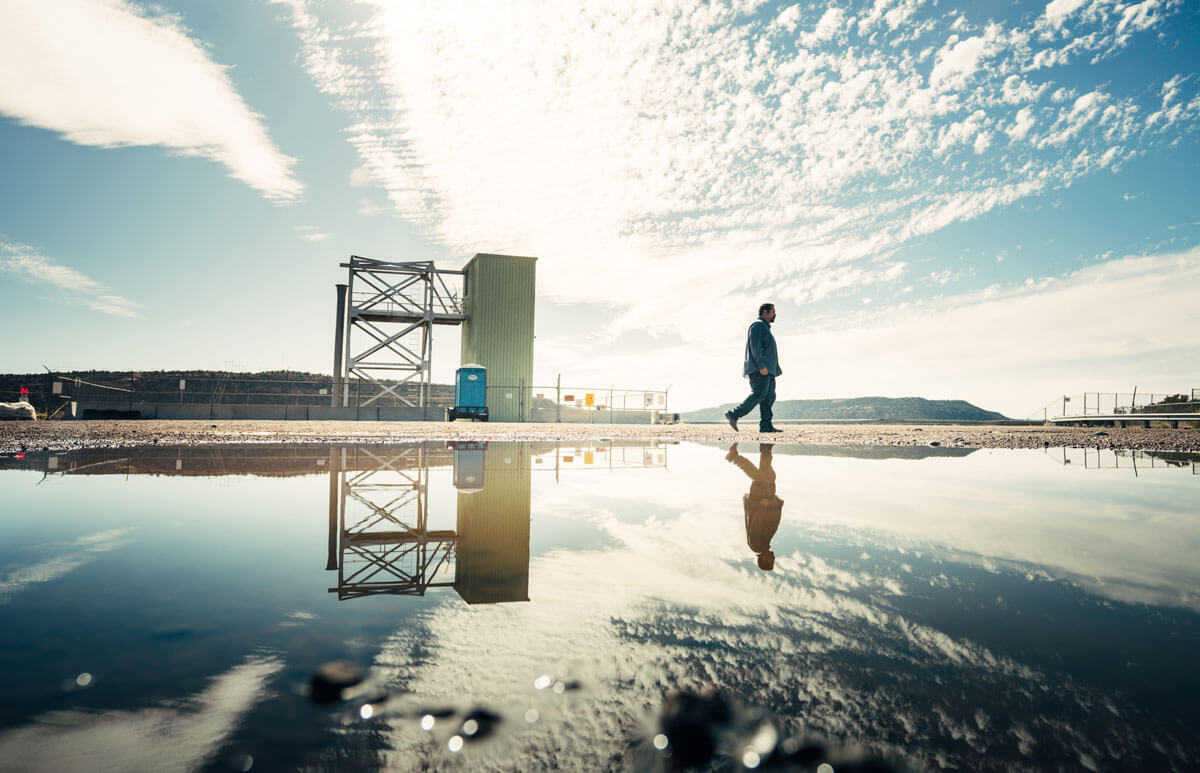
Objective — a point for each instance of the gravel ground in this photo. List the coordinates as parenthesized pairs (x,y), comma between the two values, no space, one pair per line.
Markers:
(16,436)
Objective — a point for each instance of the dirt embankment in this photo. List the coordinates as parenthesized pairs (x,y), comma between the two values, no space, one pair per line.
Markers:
(43,435)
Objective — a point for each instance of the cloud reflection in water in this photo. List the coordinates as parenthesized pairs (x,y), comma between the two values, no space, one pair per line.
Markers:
(881,627)
(162,738)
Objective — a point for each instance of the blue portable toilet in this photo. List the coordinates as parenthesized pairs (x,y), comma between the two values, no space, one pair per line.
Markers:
(470,393)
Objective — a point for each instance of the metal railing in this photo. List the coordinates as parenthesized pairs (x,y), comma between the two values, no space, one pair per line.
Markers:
(1120,403)
(399,304)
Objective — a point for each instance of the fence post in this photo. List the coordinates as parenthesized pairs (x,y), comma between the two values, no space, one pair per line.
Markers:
(610,403)
(558,403)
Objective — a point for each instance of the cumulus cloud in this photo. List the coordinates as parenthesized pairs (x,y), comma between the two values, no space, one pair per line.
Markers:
(1057,11)
(27,263)
(109,73)
(957,62)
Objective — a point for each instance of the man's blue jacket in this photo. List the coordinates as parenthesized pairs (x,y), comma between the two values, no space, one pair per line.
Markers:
(760,350)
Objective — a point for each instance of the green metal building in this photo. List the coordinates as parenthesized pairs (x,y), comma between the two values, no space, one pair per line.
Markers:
(498,294)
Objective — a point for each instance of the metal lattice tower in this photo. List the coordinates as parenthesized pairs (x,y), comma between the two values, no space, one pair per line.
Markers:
(388,310)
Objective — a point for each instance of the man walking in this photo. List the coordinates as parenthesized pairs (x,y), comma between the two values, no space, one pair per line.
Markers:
(762,366)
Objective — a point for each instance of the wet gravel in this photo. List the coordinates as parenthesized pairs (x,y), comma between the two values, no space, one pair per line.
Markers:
(18,436)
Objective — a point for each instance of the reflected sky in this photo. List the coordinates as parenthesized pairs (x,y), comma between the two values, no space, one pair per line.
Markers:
(948,608)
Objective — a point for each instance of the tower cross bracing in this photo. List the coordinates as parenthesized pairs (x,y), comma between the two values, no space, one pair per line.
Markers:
(385,333)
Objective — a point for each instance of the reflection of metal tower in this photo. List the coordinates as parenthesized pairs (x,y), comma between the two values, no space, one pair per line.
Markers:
(379,540)
(378,536)
(394,306)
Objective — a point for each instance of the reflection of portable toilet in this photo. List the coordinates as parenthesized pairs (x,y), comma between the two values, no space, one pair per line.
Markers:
(468,466)
(470,394)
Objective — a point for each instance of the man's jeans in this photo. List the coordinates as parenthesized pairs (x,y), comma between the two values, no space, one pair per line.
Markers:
(762,394)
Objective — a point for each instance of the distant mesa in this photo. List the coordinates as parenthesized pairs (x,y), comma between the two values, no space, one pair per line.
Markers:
(862,409)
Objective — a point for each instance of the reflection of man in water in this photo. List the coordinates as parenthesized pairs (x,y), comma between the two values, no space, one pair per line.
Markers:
(763,508)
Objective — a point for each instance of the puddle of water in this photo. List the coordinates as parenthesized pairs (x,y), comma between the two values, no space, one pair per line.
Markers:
(165,608)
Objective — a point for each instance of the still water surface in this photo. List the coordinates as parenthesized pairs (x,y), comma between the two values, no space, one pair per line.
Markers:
(164,608)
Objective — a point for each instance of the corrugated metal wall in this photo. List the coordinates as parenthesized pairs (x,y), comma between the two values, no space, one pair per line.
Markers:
(498,331)
(492,562)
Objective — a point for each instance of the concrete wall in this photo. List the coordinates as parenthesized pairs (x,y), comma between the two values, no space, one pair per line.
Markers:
(194,412)
(585,416)
(186,412)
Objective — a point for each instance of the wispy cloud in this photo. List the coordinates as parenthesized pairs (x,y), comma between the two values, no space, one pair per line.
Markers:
(30,265)
(310,233)
(1058,334)
(673,143)
(111,73)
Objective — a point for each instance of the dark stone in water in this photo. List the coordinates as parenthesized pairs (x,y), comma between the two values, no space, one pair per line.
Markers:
(691,723)
(702,730)
(328,681)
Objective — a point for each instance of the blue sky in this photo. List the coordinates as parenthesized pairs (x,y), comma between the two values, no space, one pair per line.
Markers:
(995,202)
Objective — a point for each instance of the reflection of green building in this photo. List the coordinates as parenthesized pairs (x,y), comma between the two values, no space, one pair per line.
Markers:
(498,295)
(492,561)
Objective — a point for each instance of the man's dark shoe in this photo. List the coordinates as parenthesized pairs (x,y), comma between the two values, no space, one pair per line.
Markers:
(770,429)
(729,417)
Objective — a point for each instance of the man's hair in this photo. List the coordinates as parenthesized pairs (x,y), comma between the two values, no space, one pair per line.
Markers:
(765,308)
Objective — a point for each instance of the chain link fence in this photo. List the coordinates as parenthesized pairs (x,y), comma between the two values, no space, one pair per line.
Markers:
(213,394)
(579,405)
